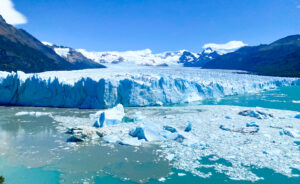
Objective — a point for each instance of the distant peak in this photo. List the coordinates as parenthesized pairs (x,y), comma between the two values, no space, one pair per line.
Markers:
(2,19)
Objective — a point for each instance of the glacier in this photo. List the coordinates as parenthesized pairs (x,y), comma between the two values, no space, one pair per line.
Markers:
(131,86)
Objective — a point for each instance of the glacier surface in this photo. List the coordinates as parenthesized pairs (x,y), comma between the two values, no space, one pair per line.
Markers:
(131,86)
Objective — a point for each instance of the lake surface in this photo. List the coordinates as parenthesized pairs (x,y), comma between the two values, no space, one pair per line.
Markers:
(33,148)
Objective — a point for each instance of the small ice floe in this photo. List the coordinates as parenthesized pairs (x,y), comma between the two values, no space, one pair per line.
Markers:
(244,130)
(252,124)
(36,114)
(109,117)
(255,114)
(138,116)
(79,134)
(132,141)
(162,179)
(74,138)
(297,116)
(188,128)
(111,138)
(294,133)
(147,132)
(181,174)
(170,129)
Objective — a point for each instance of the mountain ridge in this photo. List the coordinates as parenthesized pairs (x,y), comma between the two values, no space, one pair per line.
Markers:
(21,51)
(279,58)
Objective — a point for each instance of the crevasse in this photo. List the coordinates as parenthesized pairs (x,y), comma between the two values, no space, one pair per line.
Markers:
(144,87)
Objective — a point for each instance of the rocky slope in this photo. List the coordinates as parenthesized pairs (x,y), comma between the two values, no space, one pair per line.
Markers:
(21,51)
(280,58)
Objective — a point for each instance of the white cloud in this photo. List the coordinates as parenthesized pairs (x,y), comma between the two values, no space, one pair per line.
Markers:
(10,14)
(227,47)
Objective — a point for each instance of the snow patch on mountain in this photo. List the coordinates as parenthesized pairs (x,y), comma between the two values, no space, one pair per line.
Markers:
(63,52)
(225,48)
(139,57)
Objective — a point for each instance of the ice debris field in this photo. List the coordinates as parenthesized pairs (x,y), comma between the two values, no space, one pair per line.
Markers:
(231,140)
(130,86)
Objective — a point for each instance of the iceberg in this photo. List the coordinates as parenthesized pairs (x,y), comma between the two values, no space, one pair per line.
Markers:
(109,117)
(147,132)
(131,87)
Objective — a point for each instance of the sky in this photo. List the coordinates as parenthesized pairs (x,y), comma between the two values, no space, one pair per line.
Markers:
(160,25)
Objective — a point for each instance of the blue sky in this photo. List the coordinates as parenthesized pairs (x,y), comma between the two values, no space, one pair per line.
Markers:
(161,25)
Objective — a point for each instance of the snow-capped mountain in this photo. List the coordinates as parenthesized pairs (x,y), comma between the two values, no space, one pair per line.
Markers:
(142,57)
(139,57)
(190,59)
(71,55)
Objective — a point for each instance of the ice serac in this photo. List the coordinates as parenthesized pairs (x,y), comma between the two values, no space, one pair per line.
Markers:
(105,88)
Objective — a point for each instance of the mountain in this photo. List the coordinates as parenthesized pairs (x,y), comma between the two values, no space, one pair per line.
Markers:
(72,56)
(190,59)
(21,51)
(280,58)
(139,57)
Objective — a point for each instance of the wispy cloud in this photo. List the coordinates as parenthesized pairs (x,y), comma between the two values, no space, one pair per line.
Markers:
(10,14)
(227,47)
(298,6)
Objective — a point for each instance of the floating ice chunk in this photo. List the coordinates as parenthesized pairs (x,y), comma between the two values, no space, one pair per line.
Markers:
(292,132)
(111,138)
(148,132)
(188,128)
(36,114)
(170,129)
(109,117)
(181,174)
(74,138)
(179,138)
(297,116)
(138,116)
(74,131)
(162,179)
(132,141)
(255,114)
(250,130)
(252,124)
(170,157)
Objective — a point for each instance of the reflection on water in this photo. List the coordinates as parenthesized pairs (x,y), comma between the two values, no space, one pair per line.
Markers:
(33,150)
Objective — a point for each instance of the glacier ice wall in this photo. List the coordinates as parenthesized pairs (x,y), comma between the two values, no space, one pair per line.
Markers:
(104,88)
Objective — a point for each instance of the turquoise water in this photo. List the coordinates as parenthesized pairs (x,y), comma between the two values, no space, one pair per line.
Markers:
(33,151)
(284,98)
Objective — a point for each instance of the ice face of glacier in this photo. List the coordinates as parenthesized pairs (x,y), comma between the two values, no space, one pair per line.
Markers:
(139,86)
